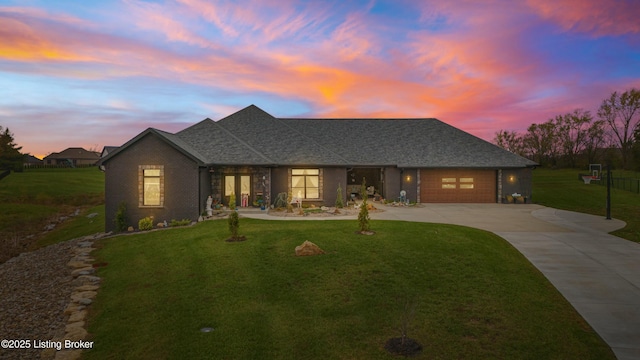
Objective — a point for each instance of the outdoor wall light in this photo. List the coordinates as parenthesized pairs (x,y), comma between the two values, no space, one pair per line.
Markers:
(512,178)
(408,178)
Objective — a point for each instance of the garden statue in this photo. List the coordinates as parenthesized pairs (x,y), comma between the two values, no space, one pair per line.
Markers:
(209,209)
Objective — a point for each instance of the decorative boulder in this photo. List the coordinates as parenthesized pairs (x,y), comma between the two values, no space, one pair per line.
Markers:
(308,249)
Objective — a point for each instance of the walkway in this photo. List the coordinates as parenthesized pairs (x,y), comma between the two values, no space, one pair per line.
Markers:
(599,274)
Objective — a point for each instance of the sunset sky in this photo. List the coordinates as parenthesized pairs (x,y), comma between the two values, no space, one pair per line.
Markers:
(95,73)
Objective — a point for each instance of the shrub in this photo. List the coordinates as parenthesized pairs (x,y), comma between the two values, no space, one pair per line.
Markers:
(339,201)
(234,224)
(363,215)
(183,222)
(289,200)
(121,218)
(146,223)
(281,200)
(232,201)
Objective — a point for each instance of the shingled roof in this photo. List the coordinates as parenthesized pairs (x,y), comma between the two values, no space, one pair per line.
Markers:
(253,137)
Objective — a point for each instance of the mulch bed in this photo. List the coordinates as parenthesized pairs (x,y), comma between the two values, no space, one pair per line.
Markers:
(236,239)
(408,349)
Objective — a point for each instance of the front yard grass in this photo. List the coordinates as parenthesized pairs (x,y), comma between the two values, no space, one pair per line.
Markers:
(475,296)
(562,189)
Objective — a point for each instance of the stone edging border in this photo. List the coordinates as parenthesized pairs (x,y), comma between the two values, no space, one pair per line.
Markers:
(86,287)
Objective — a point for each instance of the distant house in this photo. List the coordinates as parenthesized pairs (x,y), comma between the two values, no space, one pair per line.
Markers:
(73,156)
(256,156)
(30,160)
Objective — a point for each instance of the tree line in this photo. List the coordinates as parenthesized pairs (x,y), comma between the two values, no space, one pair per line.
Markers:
(577,139)
(10,156)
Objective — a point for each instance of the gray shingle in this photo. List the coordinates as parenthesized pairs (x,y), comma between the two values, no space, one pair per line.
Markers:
(254,137)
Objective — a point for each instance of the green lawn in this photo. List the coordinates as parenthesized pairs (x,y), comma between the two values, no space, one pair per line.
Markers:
(475,295)
(562,189)
(30,199)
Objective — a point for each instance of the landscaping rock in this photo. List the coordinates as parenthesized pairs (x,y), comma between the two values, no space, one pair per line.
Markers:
(308,249)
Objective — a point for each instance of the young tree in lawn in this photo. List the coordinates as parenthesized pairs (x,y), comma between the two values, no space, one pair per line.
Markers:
(621,112)
(10,156)
(363,215)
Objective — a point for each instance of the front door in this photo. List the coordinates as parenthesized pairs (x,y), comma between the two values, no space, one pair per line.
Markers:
(240,185)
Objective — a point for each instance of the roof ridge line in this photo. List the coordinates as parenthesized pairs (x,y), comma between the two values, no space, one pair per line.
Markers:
(244,143)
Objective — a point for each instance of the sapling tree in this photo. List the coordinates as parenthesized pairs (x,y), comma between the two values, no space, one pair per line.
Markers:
(234,224)
(232,201)
(408,314)
(363,215)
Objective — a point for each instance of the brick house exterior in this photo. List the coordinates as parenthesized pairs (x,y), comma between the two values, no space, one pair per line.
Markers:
(257,156)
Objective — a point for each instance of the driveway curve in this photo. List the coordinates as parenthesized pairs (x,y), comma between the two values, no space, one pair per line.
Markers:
(598,273)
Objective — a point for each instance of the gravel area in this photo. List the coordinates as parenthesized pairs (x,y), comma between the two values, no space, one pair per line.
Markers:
(35,288)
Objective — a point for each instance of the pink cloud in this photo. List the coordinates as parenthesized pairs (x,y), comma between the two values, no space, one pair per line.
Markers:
(156,18)
(595,17)
(25,37)
(477,72)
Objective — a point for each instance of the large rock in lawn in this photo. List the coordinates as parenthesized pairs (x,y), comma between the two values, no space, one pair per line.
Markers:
(308,249)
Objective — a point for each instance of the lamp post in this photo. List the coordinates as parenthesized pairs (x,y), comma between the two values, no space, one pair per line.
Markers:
(609,191)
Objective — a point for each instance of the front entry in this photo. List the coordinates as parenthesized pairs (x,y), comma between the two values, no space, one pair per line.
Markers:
(240,185)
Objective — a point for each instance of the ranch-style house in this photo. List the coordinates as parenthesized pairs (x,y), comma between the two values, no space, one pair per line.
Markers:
(256,156)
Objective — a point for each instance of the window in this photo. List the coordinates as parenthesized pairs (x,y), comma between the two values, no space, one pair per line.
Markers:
(229,185)
(448,183)
(463,183)
(305,183)
(466,183)
(151,185)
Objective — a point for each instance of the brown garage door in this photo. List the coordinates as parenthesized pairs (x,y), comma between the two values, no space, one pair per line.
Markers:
(457,186)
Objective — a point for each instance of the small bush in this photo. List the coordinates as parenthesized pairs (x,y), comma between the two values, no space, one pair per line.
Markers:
(121,218)
(339,201)
(289,200)
(146,223)
(183,222)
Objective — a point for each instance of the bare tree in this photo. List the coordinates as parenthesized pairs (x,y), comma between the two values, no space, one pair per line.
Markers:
(622,113)
(511,141)
(540,142)
(572,131)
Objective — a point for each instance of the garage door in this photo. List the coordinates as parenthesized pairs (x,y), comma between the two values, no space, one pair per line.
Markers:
(457,186)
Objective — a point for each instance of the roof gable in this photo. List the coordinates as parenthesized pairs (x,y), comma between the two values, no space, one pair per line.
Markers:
(253,137)
(271,137)
(171,139)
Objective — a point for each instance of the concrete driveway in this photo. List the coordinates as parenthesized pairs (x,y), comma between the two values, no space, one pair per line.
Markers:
(599,274)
